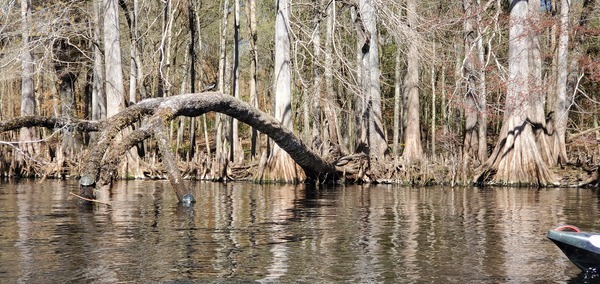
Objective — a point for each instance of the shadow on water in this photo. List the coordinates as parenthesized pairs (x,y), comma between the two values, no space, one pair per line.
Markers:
(242,232)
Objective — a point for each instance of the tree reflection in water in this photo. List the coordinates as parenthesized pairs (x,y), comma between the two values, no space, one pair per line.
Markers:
(287,233)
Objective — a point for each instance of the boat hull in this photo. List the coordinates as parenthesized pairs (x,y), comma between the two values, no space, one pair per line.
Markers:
(582,248)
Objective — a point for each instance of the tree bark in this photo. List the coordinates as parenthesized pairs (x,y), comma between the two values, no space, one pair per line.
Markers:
(474,143)
(561,113)
(251,15)
(237,153)
(280,166)
(221,159)
(115,89)
(413,150)
(542,133)
(516,159)
(98,91)
(28,105)
(112,59)
(372,137)
(397,133)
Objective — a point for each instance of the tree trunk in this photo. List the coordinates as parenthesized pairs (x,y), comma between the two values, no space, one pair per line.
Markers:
(535,84)
(328,97)
(135,72)
(237,153)
(98,93)
(253,34)
(192,14)
(372,131)
(413,151)
(561,112)
(482,98)
(314,104)
(516,159)
(281,167)
(115,91)
(221,159)
(112,59)
(27,89)
(433,109)
(474,143)
(397,106)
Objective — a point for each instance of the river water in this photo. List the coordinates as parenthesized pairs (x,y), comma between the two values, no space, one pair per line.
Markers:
(242,232)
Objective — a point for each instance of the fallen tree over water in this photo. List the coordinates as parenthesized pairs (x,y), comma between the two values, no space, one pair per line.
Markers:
(104,156)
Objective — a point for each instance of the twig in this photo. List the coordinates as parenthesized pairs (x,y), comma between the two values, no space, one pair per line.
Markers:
(91,200)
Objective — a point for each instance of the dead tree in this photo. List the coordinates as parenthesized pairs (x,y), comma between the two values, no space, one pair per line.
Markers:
(163,110)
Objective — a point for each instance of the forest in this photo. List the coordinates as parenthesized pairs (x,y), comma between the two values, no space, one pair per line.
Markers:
(486,92)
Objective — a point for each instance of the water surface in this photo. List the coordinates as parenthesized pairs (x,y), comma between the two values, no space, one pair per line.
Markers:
(243,232)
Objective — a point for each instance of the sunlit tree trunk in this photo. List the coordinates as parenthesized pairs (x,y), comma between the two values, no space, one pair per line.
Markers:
(112,59)
(535,84)
(397,105)
(413,150)
(561,114)
(98,93)
(474,143)
(281,166)
(165,50)
(516,159)
(115,91)
(221,155)
(372,132)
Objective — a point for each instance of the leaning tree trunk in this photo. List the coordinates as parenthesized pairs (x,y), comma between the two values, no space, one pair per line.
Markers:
(107,152)
(516,159)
